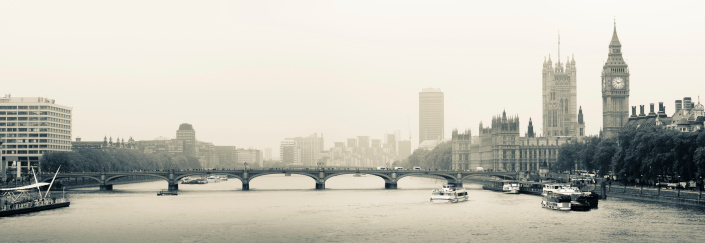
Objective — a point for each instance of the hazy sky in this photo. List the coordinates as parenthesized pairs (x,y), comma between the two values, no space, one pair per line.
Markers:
(251,73)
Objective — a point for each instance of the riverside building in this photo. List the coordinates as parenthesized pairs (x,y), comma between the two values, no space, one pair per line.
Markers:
(30,127)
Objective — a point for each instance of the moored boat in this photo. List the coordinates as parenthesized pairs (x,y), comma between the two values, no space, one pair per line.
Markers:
(449,193)
(511,187)
(24,199)
(556,201)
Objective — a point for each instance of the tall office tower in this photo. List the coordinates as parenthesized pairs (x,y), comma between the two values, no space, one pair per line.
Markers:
(30,127)
(188,135)
(309,148)
(391,144)
(289,152)
(615,89)
(431,115)
(560,111)
(267,154)
(404,149)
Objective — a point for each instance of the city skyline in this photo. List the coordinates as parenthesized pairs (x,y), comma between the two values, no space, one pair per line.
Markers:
(251,74)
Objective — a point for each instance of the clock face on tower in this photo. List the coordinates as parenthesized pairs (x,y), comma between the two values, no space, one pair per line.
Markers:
(618,83)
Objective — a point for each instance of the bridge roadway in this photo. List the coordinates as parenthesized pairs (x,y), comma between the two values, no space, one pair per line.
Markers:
(319,175)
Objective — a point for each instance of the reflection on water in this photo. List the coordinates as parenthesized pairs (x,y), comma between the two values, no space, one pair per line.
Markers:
(287,209)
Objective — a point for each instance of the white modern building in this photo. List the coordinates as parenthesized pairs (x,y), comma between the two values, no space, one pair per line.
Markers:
(30,127)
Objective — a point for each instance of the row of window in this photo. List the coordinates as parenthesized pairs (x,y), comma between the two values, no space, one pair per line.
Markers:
(35,135)
(25,146)
(24,118)
(34,124)
(34,113)
(34,107)
(52,141)
(51,130)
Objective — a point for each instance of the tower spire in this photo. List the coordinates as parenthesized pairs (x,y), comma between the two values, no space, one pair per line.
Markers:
(559,46)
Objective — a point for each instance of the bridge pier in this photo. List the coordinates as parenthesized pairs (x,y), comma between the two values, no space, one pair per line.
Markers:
(245,186)
(320,185)
(106,187)
(390,185)
(173,187)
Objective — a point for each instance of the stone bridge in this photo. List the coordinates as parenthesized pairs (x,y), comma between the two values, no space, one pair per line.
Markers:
(319,175)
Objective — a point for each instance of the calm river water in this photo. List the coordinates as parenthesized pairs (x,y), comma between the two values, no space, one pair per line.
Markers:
(351,209)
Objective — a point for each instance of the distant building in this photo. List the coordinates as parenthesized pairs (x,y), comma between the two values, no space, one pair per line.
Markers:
(404,149)
(687,117)
(188,135)
(309,149)
(500,148)
(268,154)
(207,155)
(289,152)
(30,127)
(391,144)
(161,145)
(105,144)
(431,115)
(252,157)
(227,156)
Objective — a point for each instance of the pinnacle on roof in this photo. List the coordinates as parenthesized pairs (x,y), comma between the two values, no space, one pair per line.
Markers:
(615,39)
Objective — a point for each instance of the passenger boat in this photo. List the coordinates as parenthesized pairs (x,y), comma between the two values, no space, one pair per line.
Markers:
(556,201)
(24,199)
(580,201)
(449,193)
(511,187)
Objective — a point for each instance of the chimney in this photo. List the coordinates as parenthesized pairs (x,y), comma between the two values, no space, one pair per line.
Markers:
(679,105)
(641,108)
(633,112)
(661,110)
(651,110)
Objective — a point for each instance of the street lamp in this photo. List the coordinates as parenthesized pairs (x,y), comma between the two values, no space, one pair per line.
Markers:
(245,165)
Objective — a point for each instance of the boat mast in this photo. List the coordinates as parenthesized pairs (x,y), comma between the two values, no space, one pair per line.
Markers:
(37,183)
(52,181)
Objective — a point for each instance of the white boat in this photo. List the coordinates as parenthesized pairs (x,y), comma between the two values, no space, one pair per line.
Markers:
(510,187)
(556,201)
(561,189)
(212,179)
(449,193)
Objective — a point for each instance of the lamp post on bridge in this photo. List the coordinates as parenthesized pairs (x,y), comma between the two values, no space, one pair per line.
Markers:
(320,164)
(245,166)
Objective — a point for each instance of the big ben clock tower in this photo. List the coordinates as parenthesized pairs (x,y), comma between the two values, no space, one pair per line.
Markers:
(615,89)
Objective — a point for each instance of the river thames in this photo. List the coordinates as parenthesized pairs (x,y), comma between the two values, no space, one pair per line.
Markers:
(282,208)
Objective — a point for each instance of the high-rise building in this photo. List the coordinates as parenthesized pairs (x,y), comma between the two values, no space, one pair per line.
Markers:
(310,149)
(560,111)
(431,115)
(615,89)
(391,144)
(188,135)
(30,127)
(289,152)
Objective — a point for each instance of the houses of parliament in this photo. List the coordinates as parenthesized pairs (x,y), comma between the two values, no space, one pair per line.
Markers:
(500,146)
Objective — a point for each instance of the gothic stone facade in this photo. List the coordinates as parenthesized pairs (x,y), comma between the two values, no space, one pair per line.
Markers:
(501,148)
